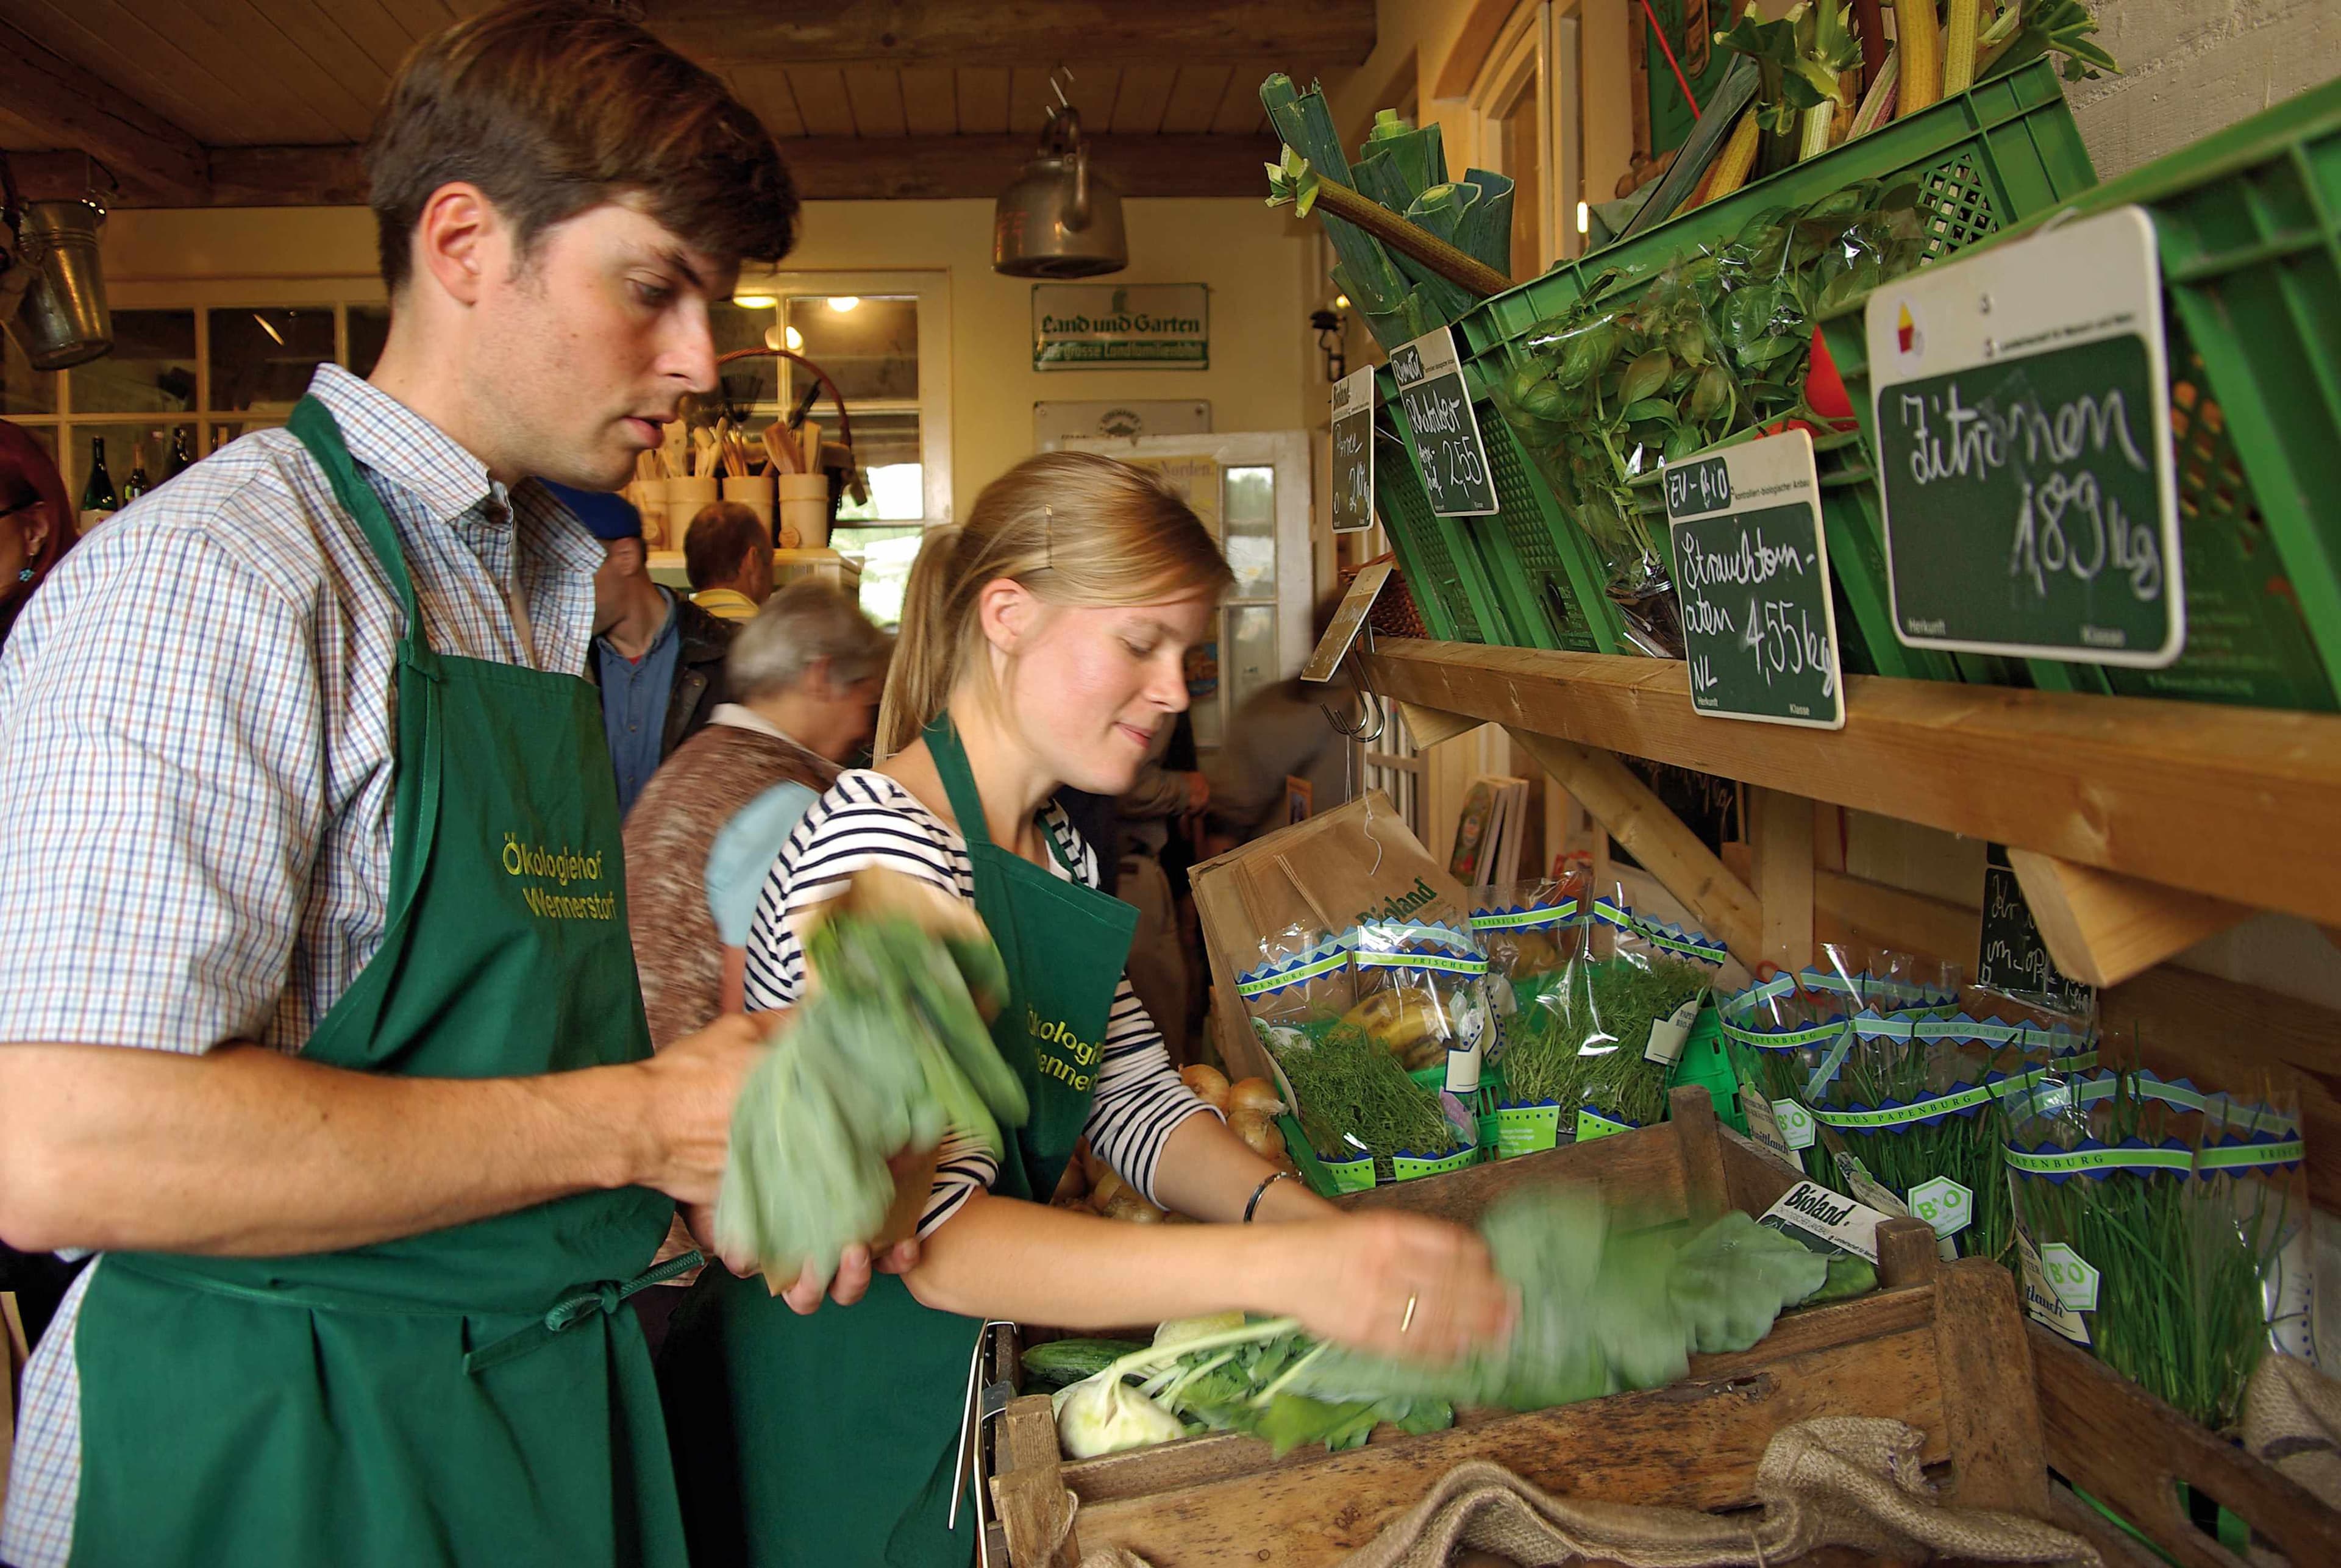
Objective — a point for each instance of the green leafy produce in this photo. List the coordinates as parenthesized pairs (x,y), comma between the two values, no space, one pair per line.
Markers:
(1063,1360)
(890,1050)
(1646,367)
(1355,1098)
(1582,1042)
(1605,1306)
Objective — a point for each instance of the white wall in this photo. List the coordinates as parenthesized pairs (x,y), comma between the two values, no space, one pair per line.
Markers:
(2190,67)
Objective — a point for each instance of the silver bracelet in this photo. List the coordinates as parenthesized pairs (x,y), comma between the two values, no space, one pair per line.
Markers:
(1258,1193)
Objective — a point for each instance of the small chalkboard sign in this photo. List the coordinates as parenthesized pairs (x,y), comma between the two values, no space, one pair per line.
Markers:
(1353,453)
(1751,571)
(2011,955)
(2023,416)
(1443,428)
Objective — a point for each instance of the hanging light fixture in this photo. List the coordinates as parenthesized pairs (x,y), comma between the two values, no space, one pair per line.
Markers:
(1060,219)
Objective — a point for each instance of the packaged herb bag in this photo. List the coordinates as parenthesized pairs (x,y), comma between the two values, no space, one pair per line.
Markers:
(1422,996)
(2152,1218)
(1360,1113)
(1783,1032)
(1602,1045)
(1532,933)
(1912,1108)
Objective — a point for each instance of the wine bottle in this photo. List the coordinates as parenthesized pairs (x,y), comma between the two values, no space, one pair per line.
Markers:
(135,485)
(97,495)
(182,458)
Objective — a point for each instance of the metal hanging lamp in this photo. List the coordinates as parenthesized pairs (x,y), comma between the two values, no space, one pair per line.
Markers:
(1060,219)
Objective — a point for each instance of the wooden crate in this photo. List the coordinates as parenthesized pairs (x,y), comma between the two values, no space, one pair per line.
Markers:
(1942,1347)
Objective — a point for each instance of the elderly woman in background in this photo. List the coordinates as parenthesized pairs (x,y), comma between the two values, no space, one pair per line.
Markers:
(37,521)
(807,672)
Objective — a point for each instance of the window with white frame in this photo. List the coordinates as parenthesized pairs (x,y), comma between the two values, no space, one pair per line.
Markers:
(1524,109)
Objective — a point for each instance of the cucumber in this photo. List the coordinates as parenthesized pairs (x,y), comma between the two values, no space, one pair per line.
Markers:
(1068,1361)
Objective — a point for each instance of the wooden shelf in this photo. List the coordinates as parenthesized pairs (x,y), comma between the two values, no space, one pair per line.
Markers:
(2238,804)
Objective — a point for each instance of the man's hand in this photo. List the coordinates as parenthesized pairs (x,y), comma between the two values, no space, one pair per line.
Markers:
(692,1084)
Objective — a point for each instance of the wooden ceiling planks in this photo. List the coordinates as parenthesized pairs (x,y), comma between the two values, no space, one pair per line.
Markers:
(930,100)
(1194,101)
(1240,112)
(242,45)
(336,59)
(874,93)
(765,89)
(1145,93)
(822,99)
(171,75)
(983,93)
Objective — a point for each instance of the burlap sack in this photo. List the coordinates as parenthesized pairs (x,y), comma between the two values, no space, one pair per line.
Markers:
(2292,1420)
(1846,1481)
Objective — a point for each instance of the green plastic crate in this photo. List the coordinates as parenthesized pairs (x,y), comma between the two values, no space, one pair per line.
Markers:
(1528,576)
(2249,225)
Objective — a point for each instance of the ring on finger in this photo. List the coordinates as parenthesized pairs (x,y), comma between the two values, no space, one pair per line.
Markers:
(1407,1323)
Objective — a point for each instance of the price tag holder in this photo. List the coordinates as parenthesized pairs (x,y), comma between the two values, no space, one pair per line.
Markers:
(1441,426)
(1355,606)
(1353,453)
(1751,572)
(2011,955)
(2022,406)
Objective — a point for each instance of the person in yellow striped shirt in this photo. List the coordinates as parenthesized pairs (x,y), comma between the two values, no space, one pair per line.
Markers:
(728,552)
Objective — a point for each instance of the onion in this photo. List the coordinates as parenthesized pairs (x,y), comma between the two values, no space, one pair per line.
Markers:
(1258,1133)
(1110,1186)
(1255,1094)
(1208,1083)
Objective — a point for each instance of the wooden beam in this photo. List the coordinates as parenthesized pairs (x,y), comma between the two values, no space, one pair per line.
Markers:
(1084,32)
(2099,781)
(2101,927)
(1627,810)
(1426,727)
(1783,837)
(825,168)
(145,152)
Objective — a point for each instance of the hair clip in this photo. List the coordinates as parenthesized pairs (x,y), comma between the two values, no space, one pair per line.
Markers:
(1049,537)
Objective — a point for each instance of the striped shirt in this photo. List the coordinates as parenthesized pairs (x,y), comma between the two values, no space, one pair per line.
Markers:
(866,820)
(196,769)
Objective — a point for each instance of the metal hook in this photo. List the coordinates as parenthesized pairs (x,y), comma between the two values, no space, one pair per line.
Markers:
(1059,87)
(1371,720)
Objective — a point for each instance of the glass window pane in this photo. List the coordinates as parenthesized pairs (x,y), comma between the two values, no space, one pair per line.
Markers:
(22,389)
(870,347)
(752,387)
(885,555)
(1252,634)
(369,330)
(1203,689)
(1248,520)
(887,447)
(151,369)
(262,359)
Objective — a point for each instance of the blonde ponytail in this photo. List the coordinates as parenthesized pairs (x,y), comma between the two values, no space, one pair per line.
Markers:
(1076,529)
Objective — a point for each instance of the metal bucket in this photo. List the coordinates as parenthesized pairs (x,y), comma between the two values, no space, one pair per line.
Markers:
(62,321)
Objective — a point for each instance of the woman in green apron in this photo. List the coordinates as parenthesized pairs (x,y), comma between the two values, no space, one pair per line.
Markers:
(1043,645)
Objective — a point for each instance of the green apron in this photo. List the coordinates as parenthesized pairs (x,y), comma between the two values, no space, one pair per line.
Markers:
(830,1439)
(415,1403)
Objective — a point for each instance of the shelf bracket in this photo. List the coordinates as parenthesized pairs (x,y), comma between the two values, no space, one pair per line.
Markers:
(1718,901)
(2102,927)
(1426,727)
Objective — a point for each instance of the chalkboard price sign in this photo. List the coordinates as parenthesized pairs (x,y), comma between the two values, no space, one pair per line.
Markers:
(1442,425)
(2023,417)
(1751,571)
(2010,954)
(1353,453)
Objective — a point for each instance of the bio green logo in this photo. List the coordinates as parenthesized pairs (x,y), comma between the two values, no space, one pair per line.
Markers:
(1945,1205)
(2073,1277)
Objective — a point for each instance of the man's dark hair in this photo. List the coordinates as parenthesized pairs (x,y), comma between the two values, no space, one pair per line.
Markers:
(552,108)
(716,544)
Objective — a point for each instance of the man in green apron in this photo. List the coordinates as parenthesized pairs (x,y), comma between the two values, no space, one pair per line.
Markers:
(302,792)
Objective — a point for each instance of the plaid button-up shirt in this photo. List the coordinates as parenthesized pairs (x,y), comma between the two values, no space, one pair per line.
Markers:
(196,745)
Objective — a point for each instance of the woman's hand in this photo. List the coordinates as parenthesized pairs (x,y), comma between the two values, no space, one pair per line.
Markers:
(1395,1285)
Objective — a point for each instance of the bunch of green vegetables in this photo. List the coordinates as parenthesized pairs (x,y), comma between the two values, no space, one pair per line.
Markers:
(1354,1097)
(888,1053)
(1604,1306)
(1402,167)
(1588,1041)
(2159,1211)
(1647,368)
